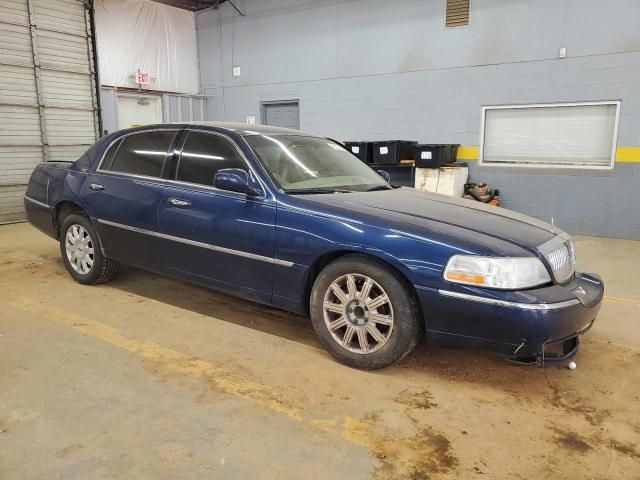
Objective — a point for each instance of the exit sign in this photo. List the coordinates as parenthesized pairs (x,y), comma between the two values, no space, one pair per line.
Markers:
(142,78)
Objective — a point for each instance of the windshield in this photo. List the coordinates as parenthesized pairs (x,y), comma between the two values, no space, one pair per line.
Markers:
(299,163)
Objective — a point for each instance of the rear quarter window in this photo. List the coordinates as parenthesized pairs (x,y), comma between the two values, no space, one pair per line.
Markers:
(140,153)
(109,156)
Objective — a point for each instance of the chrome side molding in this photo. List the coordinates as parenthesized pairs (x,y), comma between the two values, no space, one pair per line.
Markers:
(32,200)
(504,303)
(195,243)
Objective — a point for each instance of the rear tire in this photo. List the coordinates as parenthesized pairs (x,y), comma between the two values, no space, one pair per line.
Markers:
(364,313)
(82,253)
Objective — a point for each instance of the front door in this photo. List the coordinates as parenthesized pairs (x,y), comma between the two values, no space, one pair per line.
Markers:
(123,195)
(224,239)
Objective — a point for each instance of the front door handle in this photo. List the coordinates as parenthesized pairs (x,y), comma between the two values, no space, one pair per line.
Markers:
(96,186)
(178,202)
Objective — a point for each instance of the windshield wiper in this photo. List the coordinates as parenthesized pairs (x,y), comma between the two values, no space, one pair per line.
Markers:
(378,187)
(302,191)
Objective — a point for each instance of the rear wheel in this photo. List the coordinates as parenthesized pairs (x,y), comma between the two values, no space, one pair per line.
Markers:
(363,313)
(81,251)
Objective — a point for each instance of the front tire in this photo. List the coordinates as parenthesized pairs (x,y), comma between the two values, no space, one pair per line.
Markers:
(364,313)
(81,251)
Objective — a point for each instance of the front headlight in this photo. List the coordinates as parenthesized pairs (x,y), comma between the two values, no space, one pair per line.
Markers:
(496,272)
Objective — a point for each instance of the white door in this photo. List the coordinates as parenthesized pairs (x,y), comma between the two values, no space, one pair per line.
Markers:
(136,110)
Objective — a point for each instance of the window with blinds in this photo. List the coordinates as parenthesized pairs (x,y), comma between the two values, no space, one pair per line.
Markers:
(560,135)
(457,13)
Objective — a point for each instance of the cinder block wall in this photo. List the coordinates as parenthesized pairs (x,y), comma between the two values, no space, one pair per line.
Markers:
(373,70)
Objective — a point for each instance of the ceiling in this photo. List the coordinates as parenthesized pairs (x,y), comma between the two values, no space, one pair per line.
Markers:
(192,5)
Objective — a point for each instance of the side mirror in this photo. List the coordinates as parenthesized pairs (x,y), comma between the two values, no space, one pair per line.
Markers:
(384,174)
(236,180)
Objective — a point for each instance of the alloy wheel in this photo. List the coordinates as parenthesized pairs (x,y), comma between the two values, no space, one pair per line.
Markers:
(358,313)
(79,249)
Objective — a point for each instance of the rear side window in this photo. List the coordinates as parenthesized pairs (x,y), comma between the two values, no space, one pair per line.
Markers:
(140,153)
(110,155)
(203,155)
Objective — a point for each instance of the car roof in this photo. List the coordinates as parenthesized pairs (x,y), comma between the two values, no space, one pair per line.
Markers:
(244,129)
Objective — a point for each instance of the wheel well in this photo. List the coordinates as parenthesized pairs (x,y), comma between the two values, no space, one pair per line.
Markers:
(63,210)
(327,258)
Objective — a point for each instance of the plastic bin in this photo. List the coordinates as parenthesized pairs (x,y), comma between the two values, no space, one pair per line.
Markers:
(362,150)
(429,155)
(391,152)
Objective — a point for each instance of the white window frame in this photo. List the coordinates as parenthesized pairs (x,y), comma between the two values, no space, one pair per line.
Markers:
(482,162)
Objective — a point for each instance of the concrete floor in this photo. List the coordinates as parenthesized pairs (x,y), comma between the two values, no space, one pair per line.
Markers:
(151,378)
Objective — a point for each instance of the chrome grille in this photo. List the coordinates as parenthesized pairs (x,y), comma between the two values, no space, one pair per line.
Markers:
(560,254)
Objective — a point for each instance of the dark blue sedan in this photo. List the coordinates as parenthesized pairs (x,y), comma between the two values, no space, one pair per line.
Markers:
(296,221)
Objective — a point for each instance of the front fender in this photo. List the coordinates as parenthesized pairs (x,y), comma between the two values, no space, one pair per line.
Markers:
(303,237)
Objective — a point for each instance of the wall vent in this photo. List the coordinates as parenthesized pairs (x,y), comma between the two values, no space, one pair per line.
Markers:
(457,13)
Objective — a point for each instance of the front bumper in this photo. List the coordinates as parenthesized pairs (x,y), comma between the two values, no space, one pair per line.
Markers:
(541,325)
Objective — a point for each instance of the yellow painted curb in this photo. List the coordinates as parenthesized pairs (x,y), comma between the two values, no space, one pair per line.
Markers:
(623,154)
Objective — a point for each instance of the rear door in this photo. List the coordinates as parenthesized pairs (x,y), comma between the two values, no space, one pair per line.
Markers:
(124,193)
(221,238)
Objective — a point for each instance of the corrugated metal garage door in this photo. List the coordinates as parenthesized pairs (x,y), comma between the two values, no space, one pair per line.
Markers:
(284,114)
(48,107)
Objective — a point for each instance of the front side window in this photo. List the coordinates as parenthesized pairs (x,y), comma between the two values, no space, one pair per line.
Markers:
(296,162)
(140,153)
(203,155)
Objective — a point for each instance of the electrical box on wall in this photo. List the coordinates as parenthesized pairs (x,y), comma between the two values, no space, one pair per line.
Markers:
(236,72)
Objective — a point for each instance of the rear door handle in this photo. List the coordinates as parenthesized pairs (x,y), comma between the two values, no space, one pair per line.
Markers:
(178,202)
(96,186)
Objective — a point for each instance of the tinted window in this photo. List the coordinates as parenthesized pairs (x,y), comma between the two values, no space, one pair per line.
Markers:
(298,162)
(140,153)
(203,155)
(111,153)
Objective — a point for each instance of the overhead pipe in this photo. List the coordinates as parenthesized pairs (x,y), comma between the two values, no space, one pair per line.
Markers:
(236,8)
(217,3)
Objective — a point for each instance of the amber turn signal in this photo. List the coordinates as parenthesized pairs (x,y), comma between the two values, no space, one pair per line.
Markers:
(465,277)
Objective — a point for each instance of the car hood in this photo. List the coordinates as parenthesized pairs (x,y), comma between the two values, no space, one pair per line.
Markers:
(421,209)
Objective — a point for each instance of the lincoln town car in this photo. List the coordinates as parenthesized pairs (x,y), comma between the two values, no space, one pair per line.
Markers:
(296,221)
